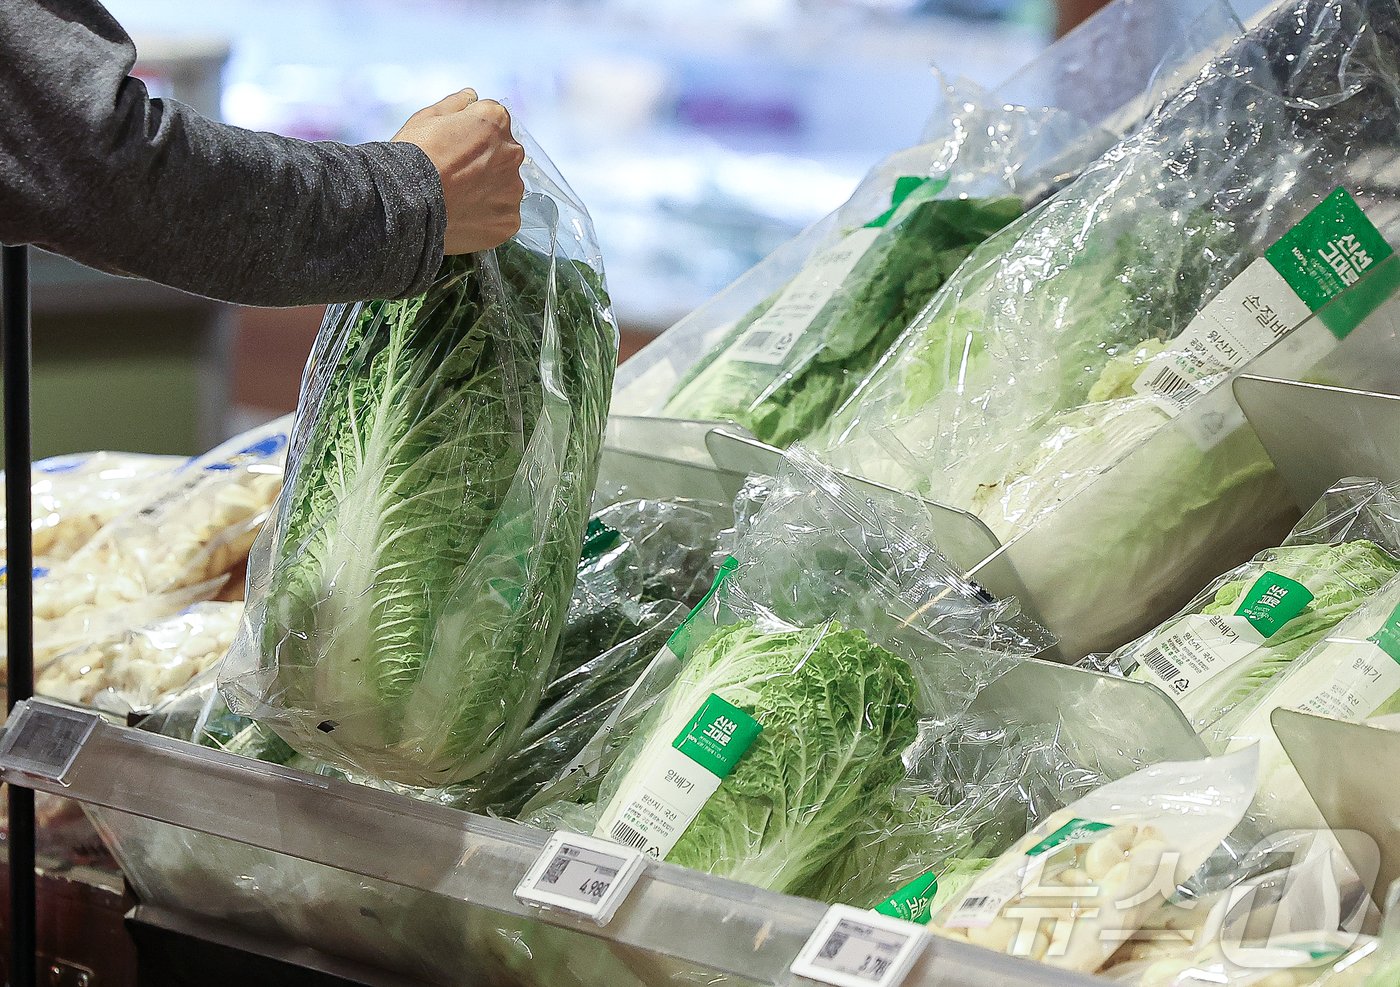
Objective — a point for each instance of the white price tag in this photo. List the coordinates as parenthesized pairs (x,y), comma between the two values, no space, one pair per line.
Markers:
(855,948)
(582,874)
(44,740)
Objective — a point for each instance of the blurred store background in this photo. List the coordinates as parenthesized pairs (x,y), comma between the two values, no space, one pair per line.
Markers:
(700,134)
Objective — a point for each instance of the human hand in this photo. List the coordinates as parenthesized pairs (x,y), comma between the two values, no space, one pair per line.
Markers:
(469,141)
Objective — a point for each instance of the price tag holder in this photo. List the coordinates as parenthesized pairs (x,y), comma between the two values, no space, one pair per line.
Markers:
(44,740)
(855,948)
(582,874)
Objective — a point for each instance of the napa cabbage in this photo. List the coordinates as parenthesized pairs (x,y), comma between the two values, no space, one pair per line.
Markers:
(835,710)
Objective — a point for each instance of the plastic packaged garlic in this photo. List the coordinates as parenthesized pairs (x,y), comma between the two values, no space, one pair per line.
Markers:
(1294,960)
(197,526)
(73,497)
(137,669)
(1087,877)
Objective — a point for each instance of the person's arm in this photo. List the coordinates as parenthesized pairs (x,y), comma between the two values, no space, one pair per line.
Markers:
(93,168)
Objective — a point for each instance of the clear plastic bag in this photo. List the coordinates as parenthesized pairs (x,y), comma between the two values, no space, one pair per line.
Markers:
(406,602)
(73,497)
(1246,626)
(194,527)
(1292,911)
(1070,338)
(140,668)
(1352,674)
(783,346)
(796,684)
(1088,876)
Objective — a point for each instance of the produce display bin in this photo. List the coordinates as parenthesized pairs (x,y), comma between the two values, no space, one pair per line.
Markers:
(410,888)
(1354,339)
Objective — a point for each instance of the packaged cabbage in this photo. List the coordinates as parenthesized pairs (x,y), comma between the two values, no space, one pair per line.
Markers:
(1351,674)
(779,712)
(770,744)
(1246,626)
(406,603)
(786,365)
(1111,313)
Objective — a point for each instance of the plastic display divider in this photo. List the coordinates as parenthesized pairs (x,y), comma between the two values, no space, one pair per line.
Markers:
(962,537)
(1317,434)
(1350,770)
(19,597)
(708,923)
(677,439)
(1147,726)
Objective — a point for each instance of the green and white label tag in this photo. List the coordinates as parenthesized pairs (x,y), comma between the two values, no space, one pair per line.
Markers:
(771,337)
(912,902)
(1388,637)
(1328,251)
(1325,253)
(1346,679)
(717,736)
(1072,833)
(1199,647)
(988,895)
(1272,602)
(678,780)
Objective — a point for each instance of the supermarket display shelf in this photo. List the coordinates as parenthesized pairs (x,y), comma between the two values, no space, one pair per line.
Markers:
(715,924)
(1341,762)
(1317,433)
(170,943)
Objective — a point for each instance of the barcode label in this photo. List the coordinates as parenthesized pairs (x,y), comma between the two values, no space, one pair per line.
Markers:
(556,870)
(627,836)
(581,874)
(833,945)
(853,948)
(1168,384)
(985,900)
(43,740)
(757,342)
(1161,664)
(772,335)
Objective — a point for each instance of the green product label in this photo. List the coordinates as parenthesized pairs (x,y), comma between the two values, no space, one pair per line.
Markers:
(1329,250)
(903,189)
(1273,601)
(597,539)
(1074,831)
(1388,637)
(680,640)
(912,902)
(717,736)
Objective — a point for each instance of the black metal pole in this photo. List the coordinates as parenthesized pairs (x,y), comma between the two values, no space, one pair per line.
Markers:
(19,596)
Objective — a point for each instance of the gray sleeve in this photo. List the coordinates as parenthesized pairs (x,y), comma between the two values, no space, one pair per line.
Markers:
(93,168)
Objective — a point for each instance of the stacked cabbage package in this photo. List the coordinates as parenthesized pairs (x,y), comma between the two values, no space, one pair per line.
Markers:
(1080,332)
(1351,674)
(1088,876)
(780,349)
(783,705)
(182,540)
(406,602)
(1246,626)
